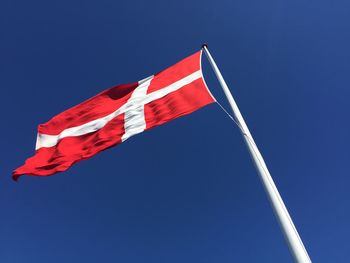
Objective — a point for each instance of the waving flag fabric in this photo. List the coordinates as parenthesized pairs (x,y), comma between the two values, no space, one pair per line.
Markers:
(115,115)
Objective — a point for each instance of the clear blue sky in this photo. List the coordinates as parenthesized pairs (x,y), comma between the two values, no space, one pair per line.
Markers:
(186,191)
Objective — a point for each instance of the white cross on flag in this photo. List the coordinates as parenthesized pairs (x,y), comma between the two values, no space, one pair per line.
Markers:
(115,115)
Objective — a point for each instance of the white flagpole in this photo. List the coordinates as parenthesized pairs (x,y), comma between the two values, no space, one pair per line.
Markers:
(291,235)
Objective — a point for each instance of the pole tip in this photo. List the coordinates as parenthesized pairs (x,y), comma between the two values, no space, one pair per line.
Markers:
(204,45)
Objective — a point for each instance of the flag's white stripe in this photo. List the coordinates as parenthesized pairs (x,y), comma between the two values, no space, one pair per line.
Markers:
(134,119)
(45,140)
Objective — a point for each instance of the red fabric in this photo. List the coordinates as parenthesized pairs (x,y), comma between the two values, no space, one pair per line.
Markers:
(178,71)
(69,150)
(184,101)
(96,107)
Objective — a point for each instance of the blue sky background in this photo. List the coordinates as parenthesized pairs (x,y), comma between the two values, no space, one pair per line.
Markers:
(186,191)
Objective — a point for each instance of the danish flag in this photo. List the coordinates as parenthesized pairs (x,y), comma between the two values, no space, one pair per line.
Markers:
(116,114)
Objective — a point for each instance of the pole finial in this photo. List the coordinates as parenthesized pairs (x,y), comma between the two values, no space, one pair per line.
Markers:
(204,45)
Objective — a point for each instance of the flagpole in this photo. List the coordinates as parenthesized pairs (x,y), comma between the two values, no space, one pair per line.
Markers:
(291,235)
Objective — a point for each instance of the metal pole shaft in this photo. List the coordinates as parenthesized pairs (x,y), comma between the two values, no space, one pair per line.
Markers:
(291,235)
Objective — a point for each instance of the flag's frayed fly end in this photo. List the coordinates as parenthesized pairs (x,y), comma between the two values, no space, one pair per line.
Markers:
(15,177)
(17,173)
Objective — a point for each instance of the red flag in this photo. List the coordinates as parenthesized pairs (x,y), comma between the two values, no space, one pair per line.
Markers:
(116,114)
